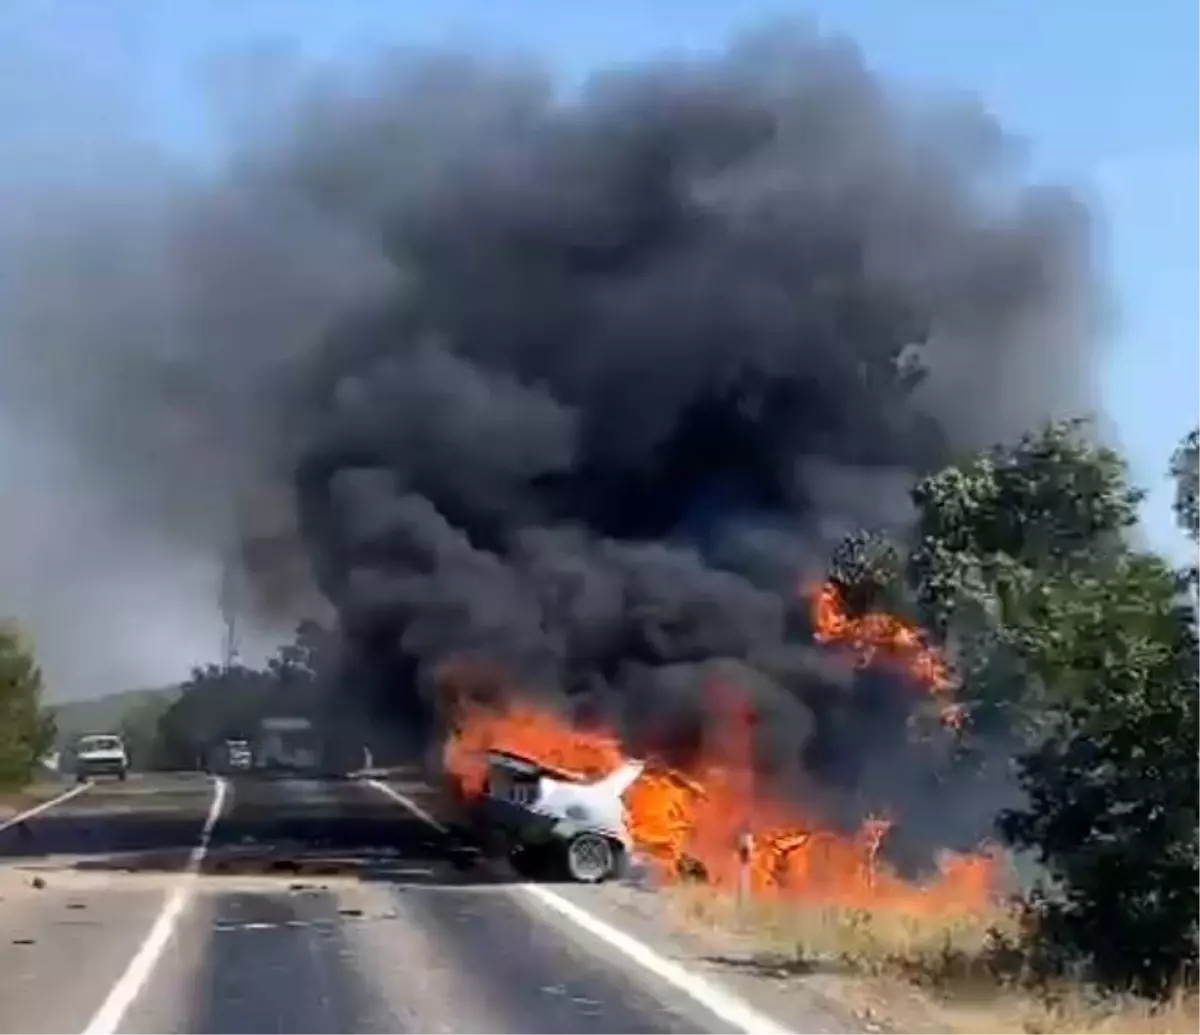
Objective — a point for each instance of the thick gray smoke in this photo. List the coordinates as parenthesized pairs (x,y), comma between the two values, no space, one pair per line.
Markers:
(580,386)
(149,318)
(649,353)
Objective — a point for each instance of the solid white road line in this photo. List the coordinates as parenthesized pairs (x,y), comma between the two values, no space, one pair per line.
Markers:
(409,804)
(108,1018)
(729,1008)
(220,789)
(20,817)
(722,1004)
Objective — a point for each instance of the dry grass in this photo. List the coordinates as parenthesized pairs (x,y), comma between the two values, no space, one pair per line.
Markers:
(914,973)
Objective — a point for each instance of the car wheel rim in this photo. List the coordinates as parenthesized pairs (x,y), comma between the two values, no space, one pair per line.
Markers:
(591,858)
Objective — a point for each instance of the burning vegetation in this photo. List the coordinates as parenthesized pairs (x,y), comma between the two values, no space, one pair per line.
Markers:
(878,637)
(691,821)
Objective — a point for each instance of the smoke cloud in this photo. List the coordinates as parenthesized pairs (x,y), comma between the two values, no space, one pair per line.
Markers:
(578,385)
(652,350)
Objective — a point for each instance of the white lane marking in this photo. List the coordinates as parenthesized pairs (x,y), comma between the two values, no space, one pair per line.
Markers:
(722,1004)
(220,789)
(409,804)
(20,817)
(108,1018)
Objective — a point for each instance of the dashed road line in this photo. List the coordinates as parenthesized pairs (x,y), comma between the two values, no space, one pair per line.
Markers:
(108,1018)
(409,804)
(38,809)
(324,924)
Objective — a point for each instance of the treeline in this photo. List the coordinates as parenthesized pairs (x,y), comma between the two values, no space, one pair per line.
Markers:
(173,728)
(220,702)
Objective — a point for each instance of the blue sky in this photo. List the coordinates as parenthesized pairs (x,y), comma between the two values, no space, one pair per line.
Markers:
(1105,92)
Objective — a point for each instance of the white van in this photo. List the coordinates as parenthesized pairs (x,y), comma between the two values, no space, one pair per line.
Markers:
(100,754)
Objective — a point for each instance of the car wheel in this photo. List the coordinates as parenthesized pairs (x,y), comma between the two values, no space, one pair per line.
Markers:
(591,858)
(81,778)
(121,776)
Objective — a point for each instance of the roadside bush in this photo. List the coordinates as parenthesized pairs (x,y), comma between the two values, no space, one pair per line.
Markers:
(1113,802)
(26,729)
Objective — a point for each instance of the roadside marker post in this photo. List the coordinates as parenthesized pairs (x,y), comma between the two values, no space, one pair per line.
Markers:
(745,887)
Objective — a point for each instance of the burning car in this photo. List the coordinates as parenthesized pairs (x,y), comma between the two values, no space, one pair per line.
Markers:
(554,820)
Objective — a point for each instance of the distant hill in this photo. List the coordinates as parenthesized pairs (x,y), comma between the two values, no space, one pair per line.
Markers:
(104,714)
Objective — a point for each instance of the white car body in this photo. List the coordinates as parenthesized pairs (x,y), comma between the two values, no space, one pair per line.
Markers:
(537,808)
(101,754)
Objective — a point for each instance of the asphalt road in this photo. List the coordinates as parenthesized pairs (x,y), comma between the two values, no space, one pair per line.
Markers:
(173,904)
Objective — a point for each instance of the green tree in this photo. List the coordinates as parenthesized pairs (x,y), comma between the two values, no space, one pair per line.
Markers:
(140,731)
(1079,654)
(1112,790)
(216,702)
(26,728)
(868,568)
(1185,469)
(219,702)
(1000,540)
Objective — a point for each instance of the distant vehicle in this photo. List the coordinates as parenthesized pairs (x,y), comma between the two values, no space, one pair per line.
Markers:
(555,820)
(290,743)
(239,754)
(101,754)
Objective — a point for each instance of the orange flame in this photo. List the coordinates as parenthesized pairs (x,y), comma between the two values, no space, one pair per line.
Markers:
(701,816)
(879,636)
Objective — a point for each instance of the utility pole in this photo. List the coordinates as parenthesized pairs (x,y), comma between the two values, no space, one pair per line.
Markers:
(231,644)
(1194,594)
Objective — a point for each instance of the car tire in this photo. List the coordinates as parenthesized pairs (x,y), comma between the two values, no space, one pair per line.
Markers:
(81,777)
(121,776)
(591,858)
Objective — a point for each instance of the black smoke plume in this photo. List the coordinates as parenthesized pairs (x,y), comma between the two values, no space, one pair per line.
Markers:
(650,351)
(580,385)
